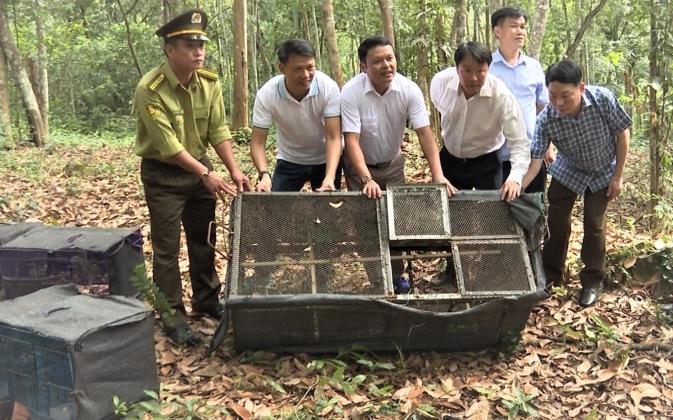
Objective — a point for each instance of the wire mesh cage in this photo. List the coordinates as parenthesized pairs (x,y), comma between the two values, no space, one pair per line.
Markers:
(297,243)
(491,268)
(485,216)
(418,213)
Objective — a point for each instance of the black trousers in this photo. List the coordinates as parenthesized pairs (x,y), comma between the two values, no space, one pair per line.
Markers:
(174,197)
(482,172)
(538,183)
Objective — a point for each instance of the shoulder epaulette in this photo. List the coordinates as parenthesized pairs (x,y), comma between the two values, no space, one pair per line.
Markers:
(208,73)
(154,84)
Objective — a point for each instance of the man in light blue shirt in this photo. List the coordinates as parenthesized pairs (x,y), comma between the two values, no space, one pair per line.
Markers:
(522,74)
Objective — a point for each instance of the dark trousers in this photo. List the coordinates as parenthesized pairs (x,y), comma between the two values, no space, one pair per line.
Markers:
(290,176)
(536,185)
(175,196)
(482,172)
(561,202)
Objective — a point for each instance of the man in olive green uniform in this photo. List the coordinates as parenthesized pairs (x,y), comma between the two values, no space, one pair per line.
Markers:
(179,111)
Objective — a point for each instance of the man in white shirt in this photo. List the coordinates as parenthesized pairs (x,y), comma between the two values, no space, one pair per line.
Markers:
(375,106)
(477,110)
(304,105)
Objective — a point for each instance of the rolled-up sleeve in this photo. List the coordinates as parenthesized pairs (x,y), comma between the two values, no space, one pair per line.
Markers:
(159,133)
(218,130)
(541,140)
(514,129)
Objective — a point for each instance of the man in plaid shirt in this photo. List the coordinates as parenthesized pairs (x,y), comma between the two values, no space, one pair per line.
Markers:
(590,130)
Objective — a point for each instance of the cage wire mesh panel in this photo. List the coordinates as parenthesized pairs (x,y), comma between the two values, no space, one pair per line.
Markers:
(417,212)
(481,218)
(493,267)
(294,243)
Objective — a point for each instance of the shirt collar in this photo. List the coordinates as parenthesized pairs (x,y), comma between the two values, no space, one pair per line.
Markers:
(173,79)
(497,57)
(394,85)
(313,90)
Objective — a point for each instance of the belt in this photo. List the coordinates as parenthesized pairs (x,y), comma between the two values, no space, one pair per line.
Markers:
(466,160)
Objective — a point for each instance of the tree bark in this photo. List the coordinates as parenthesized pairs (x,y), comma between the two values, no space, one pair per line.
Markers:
(22,81)
(653,132)
(386,7)
(317,45)
(459,27)
(42,91)
(240,112)
(586,23)
(538,29)
(422,49)
(5,119)
(331,41)
(441,41)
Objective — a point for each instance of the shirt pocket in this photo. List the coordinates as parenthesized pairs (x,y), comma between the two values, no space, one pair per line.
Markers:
(177,118)
(201,119)
(369,126)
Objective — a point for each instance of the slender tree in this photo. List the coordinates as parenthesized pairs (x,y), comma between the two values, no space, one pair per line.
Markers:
(240,112)
(22,80)
(386,7)
(538,28)
(331,42)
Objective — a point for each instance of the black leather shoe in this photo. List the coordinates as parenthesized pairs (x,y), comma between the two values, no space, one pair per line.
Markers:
(588,296)
(182,335)
(214,312)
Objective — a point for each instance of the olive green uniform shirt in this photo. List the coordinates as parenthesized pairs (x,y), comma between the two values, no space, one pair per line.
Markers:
(172,118)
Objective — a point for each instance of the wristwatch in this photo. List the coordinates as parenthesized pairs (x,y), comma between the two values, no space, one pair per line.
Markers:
(205,175)
(262,173)
(365,179)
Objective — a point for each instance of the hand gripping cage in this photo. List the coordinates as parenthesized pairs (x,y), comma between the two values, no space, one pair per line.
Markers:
(312,271)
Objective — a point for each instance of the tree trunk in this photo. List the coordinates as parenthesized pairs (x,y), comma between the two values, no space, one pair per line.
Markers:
(653,132)
(422,49)
(330,40)
(42,81)
(5,120)
(493,5)
(316,36)
(586,23)
(240,113)
(459,27)
(168,10)
(386,7)
(538,29)
(253,48)
(440,41)
(20,75)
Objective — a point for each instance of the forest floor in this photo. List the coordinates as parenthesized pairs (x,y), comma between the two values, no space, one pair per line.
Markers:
(598,362)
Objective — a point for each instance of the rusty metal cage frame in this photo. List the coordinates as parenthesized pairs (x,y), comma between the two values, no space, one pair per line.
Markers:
(237,266)
(399,190)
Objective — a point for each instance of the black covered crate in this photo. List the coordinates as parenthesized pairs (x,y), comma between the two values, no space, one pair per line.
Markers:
(65,355)
(51,255)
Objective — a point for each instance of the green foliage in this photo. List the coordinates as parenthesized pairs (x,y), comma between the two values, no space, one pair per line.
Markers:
(170,407)
(519,403)
(151,293)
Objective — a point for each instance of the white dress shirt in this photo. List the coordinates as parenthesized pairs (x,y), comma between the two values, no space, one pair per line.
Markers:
(380,119)
(473,127)
(301,124)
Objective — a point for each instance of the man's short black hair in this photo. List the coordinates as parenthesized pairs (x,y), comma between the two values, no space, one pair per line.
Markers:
(507,12)
(369,43)
(564,71)
(296,46)
(478,51)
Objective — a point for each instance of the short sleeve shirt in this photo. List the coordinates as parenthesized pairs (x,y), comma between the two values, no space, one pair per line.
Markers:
(172,117)
(300,124)
(380,120)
